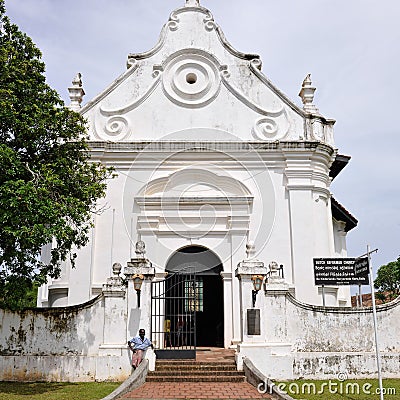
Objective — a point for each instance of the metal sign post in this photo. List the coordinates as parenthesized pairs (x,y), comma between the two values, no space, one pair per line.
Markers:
(350,271)
(378,357)
(361,269)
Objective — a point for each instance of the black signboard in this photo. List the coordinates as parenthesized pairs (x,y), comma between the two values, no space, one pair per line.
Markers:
(337,272)
(253,321)
(361,266)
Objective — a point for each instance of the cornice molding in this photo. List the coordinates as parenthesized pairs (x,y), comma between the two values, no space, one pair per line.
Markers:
(164,201)
(287,147)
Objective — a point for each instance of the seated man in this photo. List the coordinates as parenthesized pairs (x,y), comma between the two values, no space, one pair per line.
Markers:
(138,345)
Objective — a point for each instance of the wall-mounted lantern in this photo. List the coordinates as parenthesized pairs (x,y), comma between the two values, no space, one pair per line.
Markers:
(257,283)
(137,285)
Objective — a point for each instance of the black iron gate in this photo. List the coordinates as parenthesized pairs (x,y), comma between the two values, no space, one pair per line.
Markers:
(174,303)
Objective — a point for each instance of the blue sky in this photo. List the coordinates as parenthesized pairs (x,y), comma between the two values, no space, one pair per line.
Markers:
(351,48)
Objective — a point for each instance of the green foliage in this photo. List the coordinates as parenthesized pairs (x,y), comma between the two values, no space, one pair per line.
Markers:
(55,390)
(381,296)
(19,292)
(48,186)
(388,280)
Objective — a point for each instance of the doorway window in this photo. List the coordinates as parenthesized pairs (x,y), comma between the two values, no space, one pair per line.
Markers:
(194,295)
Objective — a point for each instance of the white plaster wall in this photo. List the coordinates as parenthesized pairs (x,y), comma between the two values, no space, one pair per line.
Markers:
(65,368)
(287,213)
(299,340)
(80,343)
(53,331)
(88,342)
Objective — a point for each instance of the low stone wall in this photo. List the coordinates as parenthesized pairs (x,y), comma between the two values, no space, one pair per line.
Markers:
(75,330)
(88,342)
(336,329)
(299,340)
(137,379)
(61,344)
(261,382)
(331,341)
(70,368)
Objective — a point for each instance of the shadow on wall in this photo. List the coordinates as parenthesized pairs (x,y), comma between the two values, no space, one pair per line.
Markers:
(134,321)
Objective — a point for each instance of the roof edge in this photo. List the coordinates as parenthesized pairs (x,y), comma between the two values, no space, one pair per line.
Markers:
(338,165)
(340,213)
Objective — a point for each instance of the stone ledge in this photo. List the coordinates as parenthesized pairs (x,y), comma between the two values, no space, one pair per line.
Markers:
(137,379)
(255,377)
(341,310)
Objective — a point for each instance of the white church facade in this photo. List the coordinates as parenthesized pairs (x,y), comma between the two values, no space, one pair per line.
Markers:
(211,159)
(207,235)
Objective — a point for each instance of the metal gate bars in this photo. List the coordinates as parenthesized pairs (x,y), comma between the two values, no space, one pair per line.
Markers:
(174,303)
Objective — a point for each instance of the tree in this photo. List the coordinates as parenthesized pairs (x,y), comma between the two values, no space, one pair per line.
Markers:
(388,280)
(48,186)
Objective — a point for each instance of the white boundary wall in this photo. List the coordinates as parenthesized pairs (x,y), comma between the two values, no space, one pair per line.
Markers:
(62,344)
(299,340)
(88,342)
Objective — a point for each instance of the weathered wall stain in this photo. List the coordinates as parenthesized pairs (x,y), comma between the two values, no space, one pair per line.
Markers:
(63,344)
(301,340)
(55,331)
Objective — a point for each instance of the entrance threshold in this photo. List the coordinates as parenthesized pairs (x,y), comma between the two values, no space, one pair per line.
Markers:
(176,354)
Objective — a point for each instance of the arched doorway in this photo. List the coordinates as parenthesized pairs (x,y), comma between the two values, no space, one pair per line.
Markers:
(205,266)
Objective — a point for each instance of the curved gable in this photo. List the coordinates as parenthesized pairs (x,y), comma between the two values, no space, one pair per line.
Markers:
(194,79)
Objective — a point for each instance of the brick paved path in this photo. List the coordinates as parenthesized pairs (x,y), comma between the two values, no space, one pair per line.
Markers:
(196,390)
(198,381)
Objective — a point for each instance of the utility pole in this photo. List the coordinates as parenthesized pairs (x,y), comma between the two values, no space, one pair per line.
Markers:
(378,357)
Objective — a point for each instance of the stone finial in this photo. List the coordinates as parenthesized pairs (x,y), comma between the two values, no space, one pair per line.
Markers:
(116,268)
(274,273)
(251,265)
(140,249)
(192,3)
(250,250)
(114,287)
(307,95)
(76,93)
(273,267)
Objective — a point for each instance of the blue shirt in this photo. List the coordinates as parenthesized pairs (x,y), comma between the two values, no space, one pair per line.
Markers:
(140,344)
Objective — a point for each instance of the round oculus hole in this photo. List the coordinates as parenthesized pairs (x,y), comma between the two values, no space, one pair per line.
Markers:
(191,78)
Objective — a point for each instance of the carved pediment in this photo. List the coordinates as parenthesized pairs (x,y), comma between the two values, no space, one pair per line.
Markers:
(193,78)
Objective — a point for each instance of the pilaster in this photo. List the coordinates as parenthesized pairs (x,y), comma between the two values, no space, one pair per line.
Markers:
(228,308)
(307,185)
(245,271)
(115,314)
(139,301)
(142,312)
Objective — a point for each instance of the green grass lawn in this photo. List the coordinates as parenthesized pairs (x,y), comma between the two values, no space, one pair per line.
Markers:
(362,389)
(55,391)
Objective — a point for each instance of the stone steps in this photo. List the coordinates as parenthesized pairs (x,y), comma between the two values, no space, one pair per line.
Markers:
(192,362)
(182,368)
(196,378)
(196,373)
(192,371)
